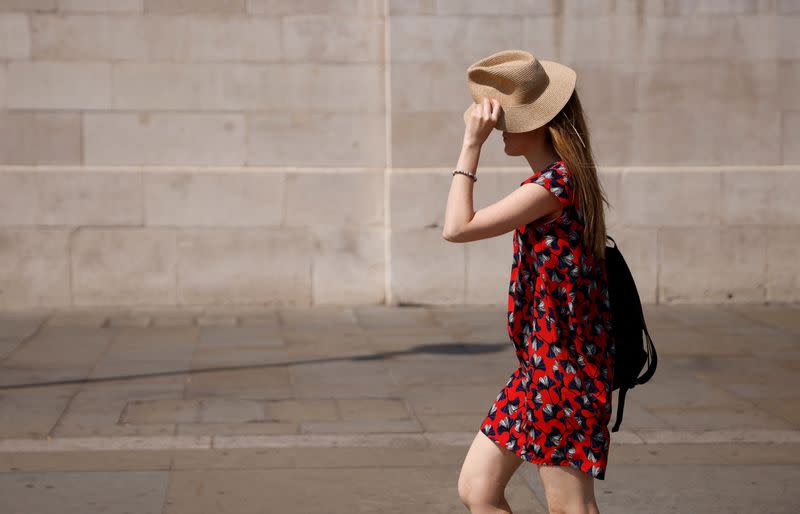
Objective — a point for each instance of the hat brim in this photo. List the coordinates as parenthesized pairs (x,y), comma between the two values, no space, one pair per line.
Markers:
(526,117)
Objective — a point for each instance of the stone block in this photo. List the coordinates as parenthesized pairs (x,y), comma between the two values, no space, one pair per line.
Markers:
(712,264)
(705,7)
(787,37)
(197,37)
(451,38)
(213,198)
(123,266)
(783,206)
(488,265)
(338,139)
(510,7)
(788,85)
(788,7)
(319,38)
(539,36)
(721,36)
(424,139)
(309,87)
(346,198)
(577,8)
(614,41)
(661,197)
(355,8)
(749,196)
(707,86)
(721,138)
(103,6)
(187,86)
(19,197)
(789,147)
(412,7)
(58,85)
(610,181)
(35,267)
(88,37)
(605,88)
(28,5)
(408,209)
(437,86)
(195,6)
(96,197)
(611,136)
(244,266)
(488,261)
(783,267)
(348,264)
(14,36)
(28,137)
(164,138)
(425,268)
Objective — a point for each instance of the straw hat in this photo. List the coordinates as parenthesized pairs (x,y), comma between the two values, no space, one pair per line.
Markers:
(531,91)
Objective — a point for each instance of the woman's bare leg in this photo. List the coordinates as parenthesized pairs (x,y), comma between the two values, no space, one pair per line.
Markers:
(484,475)
(568,490)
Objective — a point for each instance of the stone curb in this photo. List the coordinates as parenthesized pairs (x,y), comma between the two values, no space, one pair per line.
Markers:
(394,440)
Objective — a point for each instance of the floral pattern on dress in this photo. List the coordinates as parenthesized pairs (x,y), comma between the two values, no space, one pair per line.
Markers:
(556,406)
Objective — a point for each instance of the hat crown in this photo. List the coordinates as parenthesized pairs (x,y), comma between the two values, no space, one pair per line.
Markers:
(516,76)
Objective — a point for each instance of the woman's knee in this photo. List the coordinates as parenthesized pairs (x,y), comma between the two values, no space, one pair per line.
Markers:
(568,490)
(485,473)
(476,490)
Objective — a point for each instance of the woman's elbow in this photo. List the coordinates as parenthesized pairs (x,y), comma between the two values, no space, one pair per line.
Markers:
(453,237)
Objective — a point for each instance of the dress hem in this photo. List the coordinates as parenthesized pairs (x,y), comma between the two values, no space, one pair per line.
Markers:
(533,459)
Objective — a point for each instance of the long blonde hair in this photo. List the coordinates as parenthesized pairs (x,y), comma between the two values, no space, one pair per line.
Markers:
(570,138)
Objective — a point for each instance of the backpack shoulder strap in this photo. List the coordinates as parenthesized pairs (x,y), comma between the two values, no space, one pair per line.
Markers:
(651,354)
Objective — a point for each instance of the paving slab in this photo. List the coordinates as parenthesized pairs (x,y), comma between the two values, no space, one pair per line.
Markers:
(112,492)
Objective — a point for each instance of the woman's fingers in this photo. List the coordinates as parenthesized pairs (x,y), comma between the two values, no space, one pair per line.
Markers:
(491,108)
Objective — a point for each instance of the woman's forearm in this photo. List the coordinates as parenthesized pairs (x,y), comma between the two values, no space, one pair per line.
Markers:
(459,210)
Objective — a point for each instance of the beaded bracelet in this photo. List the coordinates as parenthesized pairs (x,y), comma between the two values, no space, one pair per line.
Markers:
(471,175)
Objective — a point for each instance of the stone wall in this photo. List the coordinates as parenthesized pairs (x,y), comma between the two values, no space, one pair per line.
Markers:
(298,152)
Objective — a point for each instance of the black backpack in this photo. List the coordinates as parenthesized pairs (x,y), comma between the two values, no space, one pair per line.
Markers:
(628,326)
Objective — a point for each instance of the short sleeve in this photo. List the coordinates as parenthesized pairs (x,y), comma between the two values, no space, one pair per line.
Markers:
(556,179)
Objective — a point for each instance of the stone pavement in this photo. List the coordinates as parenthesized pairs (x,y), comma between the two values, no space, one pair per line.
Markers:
(369,409)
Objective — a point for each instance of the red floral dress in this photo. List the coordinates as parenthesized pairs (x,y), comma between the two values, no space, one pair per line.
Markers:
(555,407)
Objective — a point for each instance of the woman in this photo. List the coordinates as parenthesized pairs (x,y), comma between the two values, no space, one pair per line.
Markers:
(555,407)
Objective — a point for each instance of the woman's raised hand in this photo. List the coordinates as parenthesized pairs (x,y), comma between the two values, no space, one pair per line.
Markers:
(481,121)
